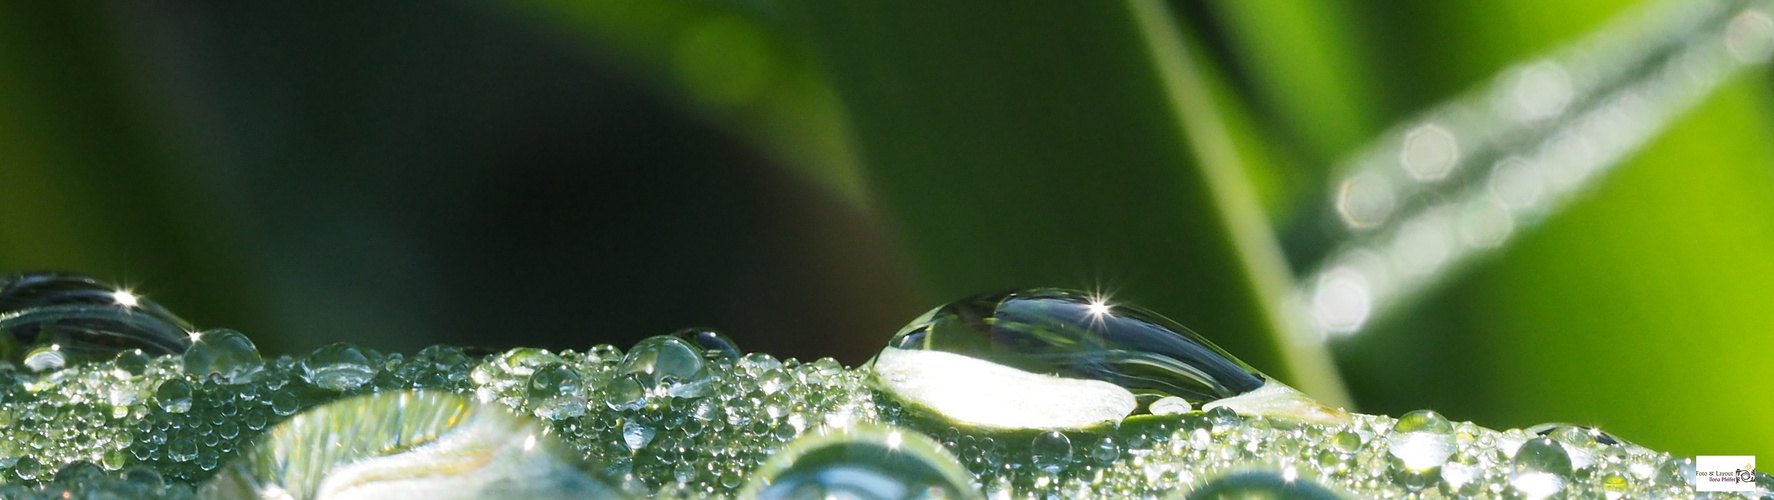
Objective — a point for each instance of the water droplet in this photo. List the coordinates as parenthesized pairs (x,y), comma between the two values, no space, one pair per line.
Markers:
(625,393)
(636,436)
(1422,440)
(667,366)
(285,403)
(84,319)
(1675,472)
(410,445)
(1573,432)
(1541,469)
(1263,484)
(339,367)
(1171,405)
(227,355)
(1056,359)
(555,391)
(715,345)
(863,462)
(1051,451)
(45,358)
(174,396)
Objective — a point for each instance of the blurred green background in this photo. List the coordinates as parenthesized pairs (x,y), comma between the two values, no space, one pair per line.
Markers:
(807,176)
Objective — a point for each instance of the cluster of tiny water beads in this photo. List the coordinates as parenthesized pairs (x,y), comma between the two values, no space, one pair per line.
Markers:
(688,416)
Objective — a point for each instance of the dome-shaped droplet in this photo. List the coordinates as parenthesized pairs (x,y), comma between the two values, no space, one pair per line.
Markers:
(863,463)
(84,319)
(173,396)
(1051,451)
(1421,440)
(1263,484)
(1053,359)
(715,345)
(1541,469)
(666,365)
(226,354)
(410,445)
(556,391)
(339,367)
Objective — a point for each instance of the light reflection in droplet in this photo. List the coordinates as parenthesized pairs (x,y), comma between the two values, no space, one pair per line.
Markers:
(1365,199)
(1422,244)
(1538,91)
(1340,302)
(1429,152)
(1750,37)
(1550,126)
(1485,222)
(1516,183)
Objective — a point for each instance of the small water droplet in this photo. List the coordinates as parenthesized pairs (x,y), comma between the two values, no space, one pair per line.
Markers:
(636,436)
(1262,484)
(339,367)
(1541,469)
(174,396)
(1051,451)
(555,391)
(225,355)
(45,358)
(1422,440)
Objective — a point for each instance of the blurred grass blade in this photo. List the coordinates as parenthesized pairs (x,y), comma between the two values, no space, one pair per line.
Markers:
(1460,180)
(87,178)
(1062,145)
(731,63)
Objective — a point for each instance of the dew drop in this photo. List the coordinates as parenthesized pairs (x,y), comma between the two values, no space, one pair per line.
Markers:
(715,345)
(1051,451)
(225,355)
(81,319)
(861,462)
(174,396)
(1262,484)
(555,391)
(339,367)
(1422,440)
(423,444)
(1057,359)
(1541,469)
(667,366)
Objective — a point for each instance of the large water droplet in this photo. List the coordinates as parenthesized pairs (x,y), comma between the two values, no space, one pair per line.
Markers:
(52,319)
(667,366)
(339,366)
(410,445)
(226,355)
(1055,359)
(862,462)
